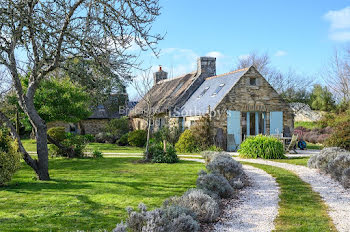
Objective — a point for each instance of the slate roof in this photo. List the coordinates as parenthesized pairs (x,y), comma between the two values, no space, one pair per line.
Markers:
(165,94)
(102,112)
(198,105)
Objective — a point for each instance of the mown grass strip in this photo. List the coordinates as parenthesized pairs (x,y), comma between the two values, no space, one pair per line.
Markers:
(302,161)
(301,209)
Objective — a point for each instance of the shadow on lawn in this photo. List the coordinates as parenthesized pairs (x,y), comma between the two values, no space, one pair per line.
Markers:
(53,184)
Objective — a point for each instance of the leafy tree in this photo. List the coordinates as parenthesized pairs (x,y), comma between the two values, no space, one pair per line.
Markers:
(322,99)
(55,100)
(48,34)
(61,100)
(118,127)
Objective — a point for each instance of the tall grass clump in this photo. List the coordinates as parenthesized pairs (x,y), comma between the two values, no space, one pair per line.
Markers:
(261,146)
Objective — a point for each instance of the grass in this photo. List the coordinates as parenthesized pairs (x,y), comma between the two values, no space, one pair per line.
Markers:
(301,209)
(30,145)
(308,125)
(302,161)
(313,146)
(89,194)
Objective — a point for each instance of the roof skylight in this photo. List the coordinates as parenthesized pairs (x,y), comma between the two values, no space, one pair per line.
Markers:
(203,92)
(218,90)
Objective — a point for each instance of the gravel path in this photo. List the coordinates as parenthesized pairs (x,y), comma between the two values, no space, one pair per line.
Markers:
(255,207)
(333,194)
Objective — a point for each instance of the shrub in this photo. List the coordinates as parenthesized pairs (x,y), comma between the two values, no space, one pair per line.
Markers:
(338,165)
(97,154)
(322,138)
(340,136)
(123,141)
(121,227)
(57,133)
(104,137)
(226,166)
(75,146)
(345,181)
(204,206)
(209,155)
(118,127)
(214,148)
(187,142)
(169,218)
(201,130)
(261,146)
(137,138)
(159,156)
(215,183)
(170,134)
(335,161)
(321,160)
(9,158)
(89,138)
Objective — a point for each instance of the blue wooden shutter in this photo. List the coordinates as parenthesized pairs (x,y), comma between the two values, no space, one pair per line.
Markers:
(233,130)
(276,122)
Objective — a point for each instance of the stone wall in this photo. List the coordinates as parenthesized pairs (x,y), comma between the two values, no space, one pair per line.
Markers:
(93,126)
(90,126)
(246,98)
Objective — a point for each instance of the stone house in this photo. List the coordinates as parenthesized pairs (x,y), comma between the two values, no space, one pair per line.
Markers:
(239,103)
(97,121)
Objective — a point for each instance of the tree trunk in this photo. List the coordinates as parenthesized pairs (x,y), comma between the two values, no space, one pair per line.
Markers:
(43,153)
(164,145)
(40,129)
(147,154)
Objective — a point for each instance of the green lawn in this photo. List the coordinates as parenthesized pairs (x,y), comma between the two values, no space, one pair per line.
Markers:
(30,145)
(301,209)
(89,194)
(309,125)
(296,160)
(313,146)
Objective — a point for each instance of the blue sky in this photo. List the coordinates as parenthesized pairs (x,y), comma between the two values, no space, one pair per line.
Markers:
(297,34)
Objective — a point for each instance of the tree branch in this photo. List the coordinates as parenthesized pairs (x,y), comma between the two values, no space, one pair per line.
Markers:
(27,158)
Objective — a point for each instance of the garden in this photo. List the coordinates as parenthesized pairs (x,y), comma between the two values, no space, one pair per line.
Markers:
(68,62)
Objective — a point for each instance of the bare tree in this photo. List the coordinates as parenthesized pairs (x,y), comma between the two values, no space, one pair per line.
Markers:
(46,34)
(337,74)
(287,84)
(143,85)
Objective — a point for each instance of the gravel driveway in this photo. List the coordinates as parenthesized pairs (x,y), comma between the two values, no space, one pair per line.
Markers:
(256,207)
(333,194)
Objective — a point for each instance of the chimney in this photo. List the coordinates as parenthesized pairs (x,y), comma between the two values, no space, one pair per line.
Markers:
(160,75)
(206,66)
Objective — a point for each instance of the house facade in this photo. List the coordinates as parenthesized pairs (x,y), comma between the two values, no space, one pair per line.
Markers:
(239,103)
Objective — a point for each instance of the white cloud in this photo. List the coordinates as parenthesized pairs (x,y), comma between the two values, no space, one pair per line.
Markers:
(339,19)
(341,36)
(215,54)
(281,53)
(339,24)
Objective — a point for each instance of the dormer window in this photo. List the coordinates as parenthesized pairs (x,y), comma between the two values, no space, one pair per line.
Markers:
(203,92)
(218,90)
(252,81)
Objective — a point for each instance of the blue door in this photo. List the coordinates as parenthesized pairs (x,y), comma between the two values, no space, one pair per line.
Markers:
(233,130)
(276,122)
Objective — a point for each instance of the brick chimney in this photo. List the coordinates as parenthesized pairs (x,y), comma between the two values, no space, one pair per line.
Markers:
(206,66)
(160,75)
